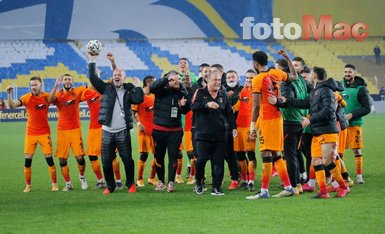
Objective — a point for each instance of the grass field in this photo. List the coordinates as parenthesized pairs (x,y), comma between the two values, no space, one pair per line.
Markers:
(147,211)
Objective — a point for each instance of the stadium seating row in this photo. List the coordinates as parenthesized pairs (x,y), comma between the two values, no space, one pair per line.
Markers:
(19,60)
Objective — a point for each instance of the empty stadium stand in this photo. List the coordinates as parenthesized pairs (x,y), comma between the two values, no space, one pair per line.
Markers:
(21,59)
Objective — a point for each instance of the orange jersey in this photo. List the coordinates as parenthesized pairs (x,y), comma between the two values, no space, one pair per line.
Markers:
(37,110)
(145,112)
(93,99)
(188,121)
(67,104)
(245,106)
(267,84)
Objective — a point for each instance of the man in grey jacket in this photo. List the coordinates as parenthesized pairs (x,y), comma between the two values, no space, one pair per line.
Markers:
(115,116)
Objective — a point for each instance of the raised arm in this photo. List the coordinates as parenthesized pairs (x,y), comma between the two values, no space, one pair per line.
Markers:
(11,103)
(158,86)
(52,98)
(110,56)
(98,83)
(293,74)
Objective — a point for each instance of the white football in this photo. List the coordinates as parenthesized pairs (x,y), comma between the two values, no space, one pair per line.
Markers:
(94,47)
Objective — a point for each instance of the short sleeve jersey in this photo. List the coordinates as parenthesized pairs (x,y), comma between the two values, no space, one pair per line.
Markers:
(93,99)
(67,104)
(268,84)
(37,111)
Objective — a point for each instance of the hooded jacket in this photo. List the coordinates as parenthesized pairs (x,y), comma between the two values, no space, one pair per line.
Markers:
(322,107)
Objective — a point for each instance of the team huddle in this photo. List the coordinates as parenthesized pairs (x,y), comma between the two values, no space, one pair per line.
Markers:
(295,112)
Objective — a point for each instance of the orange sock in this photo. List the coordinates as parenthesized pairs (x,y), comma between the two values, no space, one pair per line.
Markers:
(243,171)
(95,164)
(266,171)
(192,167)
(338,163)
(115,167)
(179,167)
(336,174)
(65,171)
(359,163)
(251,169)
(311,173)
(27,174)
(82,169)
(52,173)
(321,178)
(282,171)
(141,165)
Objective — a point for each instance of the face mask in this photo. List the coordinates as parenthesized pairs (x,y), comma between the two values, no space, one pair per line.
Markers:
(232,84)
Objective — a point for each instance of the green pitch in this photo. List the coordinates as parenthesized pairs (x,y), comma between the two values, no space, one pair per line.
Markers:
(147,211)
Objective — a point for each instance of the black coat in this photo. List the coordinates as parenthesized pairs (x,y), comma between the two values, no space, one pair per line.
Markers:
(322,107)
(165,99)
(210,124)
(132,95)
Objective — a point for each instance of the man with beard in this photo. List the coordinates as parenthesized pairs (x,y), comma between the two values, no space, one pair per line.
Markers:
(69,135)
(270,123)
(38,131)
(358,105)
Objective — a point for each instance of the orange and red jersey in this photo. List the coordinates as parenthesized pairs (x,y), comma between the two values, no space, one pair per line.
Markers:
(245,107)
(93,99)
(37,110)
(188,119)
(68,108)
(268,84)
(145,112)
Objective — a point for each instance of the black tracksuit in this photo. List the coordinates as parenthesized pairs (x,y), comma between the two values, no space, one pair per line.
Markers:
(167,129)
(210,129)
(231,157)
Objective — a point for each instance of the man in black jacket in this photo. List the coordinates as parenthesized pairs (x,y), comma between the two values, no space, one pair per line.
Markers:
(170,102)
(322,106)
(212,109)
(116,120)
(233,89)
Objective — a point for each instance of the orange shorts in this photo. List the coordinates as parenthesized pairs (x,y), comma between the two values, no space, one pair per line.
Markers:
(354,138)
(94,142)
(187,141)
(271,134)
(342,141)
(318,141)
(146,144)
(67,139)
(31,142)
(241,143)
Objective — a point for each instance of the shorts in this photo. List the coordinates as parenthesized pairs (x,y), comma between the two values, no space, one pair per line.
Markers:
(318,141)
(342,141)
(354,138)
(240,141)
(94,142)
(145,144)
(31,142)
(187,140)
(67,139)
(271,134)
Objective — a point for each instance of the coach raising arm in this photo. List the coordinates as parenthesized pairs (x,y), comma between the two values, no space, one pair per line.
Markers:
(115,116)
